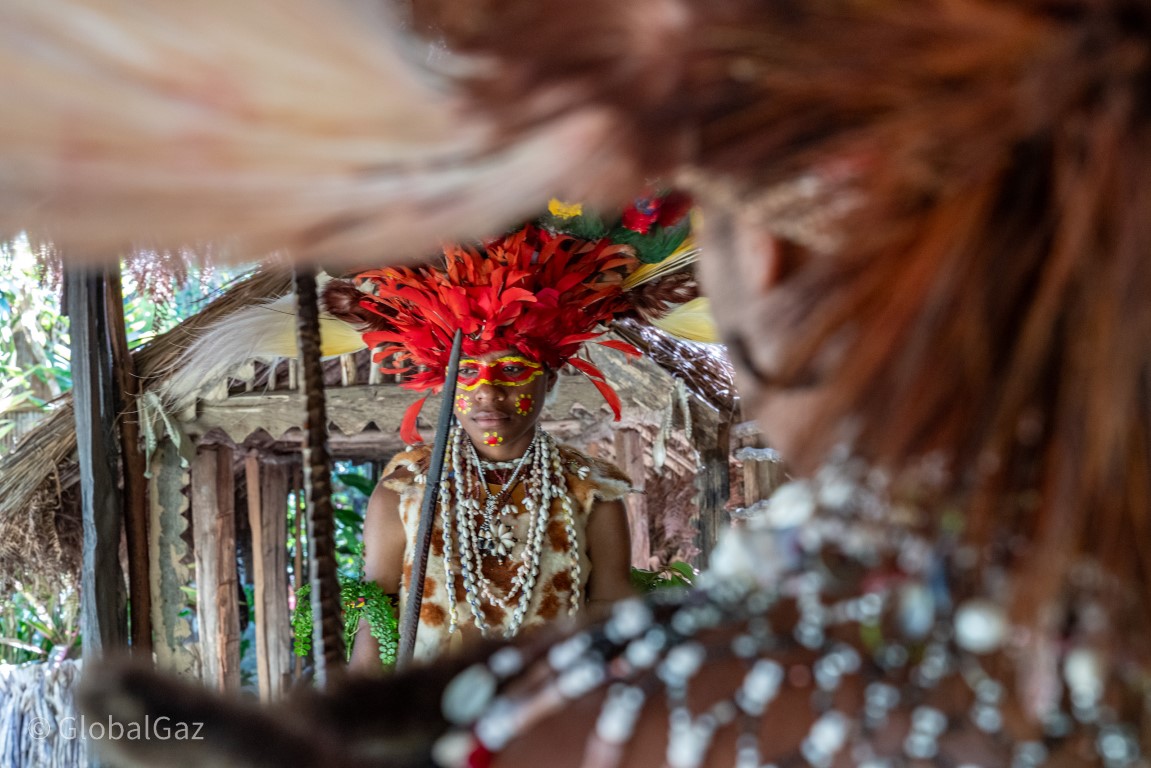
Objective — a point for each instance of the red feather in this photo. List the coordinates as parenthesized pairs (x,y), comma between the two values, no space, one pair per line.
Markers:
(597,378)
(408,431)
(621,346)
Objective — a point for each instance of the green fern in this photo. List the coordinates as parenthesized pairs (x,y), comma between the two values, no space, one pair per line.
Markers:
(360,600)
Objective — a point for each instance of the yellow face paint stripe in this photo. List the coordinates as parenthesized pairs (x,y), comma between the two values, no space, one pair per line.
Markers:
(507,359)
(497,383)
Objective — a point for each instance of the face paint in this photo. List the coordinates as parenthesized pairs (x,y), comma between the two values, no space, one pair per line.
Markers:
(524,404)
(506,371)
(492,438)
(463,404)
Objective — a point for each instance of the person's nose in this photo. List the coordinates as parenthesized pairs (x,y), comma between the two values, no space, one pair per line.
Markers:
(489,394)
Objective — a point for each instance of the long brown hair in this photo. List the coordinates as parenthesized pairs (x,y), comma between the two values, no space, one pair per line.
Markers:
(995,274)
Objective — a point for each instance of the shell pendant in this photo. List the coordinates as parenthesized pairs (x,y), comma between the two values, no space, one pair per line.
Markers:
(502,539)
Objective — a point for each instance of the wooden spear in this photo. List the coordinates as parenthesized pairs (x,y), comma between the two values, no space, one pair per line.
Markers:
(410,621)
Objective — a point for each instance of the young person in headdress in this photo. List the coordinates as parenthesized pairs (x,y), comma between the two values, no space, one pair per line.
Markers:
(928,244)
(526,531)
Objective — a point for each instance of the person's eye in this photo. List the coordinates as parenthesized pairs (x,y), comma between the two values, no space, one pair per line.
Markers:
(468,372)
(513,370)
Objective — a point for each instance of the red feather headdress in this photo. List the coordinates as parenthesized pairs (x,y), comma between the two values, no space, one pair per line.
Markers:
(538,291)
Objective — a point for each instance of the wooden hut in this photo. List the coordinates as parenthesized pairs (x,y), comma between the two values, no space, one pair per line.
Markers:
(223,464)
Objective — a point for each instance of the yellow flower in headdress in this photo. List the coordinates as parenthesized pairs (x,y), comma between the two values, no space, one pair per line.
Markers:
(562,210)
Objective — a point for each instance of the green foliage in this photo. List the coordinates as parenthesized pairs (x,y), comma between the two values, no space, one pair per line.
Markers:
(360,600)
(35,625)
(677,574)
(350,494)
(35,361)
(362,484)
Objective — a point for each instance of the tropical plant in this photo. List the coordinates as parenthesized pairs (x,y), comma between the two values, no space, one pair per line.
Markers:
(677,574)
(38,625)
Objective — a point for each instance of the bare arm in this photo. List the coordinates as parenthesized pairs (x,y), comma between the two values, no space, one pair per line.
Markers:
(383,564)
(609,549)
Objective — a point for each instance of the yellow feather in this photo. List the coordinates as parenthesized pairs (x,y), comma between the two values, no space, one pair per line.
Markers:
(680,258)
(691,321)
(337,337)
(264,331)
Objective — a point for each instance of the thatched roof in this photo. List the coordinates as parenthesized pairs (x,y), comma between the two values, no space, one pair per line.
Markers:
(39,532)
(39,524)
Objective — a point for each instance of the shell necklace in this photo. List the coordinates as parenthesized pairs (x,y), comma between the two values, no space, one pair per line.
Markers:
(476,531)
(497,538)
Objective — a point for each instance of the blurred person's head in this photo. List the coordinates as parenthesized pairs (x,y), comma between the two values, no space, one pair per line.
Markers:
(936,243)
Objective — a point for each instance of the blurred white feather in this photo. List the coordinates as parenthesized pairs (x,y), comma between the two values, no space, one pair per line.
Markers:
(312,126)
(264,331)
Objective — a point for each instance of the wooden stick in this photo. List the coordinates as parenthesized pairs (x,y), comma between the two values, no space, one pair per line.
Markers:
(298,555)
(415,597)
(133,469)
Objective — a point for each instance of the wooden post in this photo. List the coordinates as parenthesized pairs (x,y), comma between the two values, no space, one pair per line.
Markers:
(714,489)
(214,536)
(134,470)
(103,615)
(629,457)
(760,479)
(267,517)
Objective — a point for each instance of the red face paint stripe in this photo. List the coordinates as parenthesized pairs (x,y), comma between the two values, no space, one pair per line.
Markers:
(500,372)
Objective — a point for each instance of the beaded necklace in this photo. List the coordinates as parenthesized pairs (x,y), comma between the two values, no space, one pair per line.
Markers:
(871,661)
(474,531)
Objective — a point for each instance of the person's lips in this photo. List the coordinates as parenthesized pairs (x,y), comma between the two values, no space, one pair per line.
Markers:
(489,418)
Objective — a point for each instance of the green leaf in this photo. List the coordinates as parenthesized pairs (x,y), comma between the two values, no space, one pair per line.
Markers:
(348,516)
(362,484)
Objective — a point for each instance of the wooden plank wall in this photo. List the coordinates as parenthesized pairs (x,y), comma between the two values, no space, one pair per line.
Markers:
(267,516)
(214,537)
